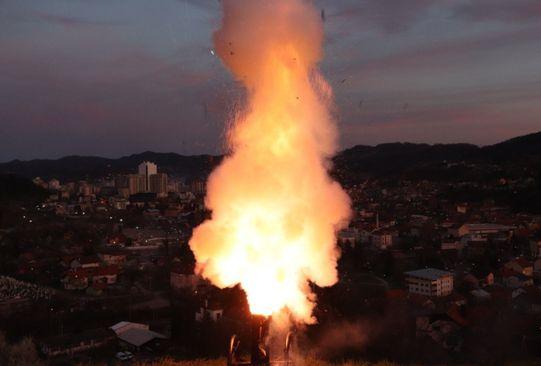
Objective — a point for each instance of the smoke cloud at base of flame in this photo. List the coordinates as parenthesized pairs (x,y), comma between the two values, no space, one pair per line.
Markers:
(275,210)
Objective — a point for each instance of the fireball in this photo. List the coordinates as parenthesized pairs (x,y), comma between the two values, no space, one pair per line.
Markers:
(275,210)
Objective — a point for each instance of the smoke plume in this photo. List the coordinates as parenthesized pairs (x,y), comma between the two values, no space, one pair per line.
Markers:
(275,210)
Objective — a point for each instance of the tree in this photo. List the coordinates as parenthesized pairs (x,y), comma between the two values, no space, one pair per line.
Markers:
(23,353)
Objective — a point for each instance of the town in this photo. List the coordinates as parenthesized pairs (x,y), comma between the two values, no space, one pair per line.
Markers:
(101,269)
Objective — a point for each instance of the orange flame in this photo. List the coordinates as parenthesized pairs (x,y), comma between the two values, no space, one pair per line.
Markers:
(275,211)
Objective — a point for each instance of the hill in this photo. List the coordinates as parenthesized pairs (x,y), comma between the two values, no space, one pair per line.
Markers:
(422,161)
(510,158)
(88,167)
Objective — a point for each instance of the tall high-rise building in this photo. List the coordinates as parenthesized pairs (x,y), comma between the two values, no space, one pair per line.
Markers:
(130,184)
(148,180)
(147,169)
(158,184)
(198,186)
(136,183)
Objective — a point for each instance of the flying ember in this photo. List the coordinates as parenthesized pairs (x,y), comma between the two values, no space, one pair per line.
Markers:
(275,210)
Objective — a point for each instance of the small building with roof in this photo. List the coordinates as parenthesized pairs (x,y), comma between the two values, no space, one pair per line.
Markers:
(429,282)
(135,335)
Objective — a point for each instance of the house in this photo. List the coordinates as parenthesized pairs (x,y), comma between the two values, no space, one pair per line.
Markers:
(520,265)
(456,299)
(349,236)
(451,229)
(469,281)
(535,248)
(107,275)
(462,208)
(80,278)
(145,236)
(96,289)
(76,279)
(117,240)
(451,245)
(477,245)
(537,268)
(486,277)
(429,282)
(530,300)
(118,203)
(151,212)
(135,335)
(480,295)
(484,229)
(181,278)
(68,345)
(70,261)
(514,279)
(91,261)
(113,257)
(384,238)
(443,329)
(212,312)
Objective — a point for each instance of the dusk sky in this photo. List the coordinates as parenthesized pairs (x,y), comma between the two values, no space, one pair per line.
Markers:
(116,77)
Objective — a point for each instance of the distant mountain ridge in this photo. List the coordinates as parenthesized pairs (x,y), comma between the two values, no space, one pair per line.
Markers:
(382,159)
(83,167)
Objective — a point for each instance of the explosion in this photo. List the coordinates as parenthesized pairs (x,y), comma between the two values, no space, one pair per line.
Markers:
(275,210)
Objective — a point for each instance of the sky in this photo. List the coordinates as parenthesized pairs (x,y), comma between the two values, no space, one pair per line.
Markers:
(116,77)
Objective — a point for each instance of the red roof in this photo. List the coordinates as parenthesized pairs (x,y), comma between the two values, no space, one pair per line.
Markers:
(522,262)
(28,256)
(91,259)
(117,239)
(78,273)
(508,272)
(397,294)
(99,285)
(67,259)
(106,271)
(454,313)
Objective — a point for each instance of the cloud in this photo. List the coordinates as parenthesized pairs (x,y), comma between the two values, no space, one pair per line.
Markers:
(444,53)
(473,123)
(389,16)
(72,82)
(209,5)
(69,21)
(500,10)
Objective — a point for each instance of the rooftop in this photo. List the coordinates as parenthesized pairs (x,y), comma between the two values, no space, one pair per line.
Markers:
(486,226)
(139,337)
(428,273)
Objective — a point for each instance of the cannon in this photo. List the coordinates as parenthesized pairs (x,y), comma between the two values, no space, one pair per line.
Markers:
(259,347)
